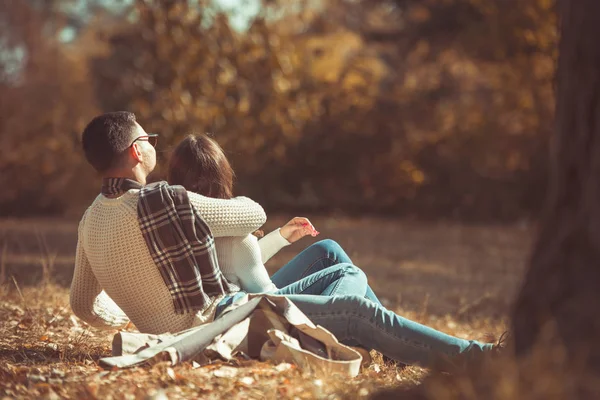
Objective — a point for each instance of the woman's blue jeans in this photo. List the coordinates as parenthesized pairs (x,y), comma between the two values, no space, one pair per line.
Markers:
(325,269)
(357,320)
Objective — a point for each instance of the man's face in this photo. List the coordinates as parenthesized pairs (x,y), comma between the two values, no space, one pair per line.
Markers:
(148,151)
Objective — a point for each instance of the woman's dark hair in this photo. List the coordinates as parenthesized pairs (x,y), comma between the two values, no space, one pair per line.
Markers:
(106,137)
(199,165)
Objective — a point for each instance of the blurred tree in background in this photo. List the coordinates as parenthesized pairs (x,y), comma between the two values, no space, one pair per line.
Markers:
(434,108)
(45,101)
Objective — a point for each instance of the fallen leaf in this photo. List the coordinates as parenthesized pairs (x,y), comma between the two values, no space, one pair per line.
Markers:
(43,387)
(57,373)
(36,378)
(92,389)
(51,395)
(101,375)
(55,381)
(74,321)
(283,367)
(225,372)
(52,346)
(247,380)
(159,395)
(171,373)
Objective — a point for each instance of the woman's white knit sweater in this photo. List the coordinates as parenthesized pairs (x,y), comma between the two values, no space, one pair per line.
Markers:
(115,279)
(242,260)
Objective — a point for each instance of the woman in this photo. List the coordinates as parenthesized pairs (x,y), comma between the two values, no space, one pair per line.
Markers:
(321,280)
(199,164)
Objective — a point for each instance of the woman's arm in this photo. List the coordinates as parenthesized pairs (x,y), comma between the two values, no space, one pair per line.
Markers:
(229,217)
(291,232)
(271,244)
(248,267)
(88,301)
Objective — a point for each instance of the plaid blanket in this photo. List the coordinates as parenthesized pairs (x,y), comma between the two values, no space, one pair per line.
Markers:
(179,241)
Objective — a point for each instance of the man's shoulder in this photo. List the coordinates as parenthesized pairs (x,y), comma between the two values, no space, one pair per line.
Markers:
(84,216)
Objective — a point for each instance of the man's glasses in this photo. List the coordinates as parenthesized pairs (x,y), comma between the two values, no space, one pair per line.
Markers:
(151,138)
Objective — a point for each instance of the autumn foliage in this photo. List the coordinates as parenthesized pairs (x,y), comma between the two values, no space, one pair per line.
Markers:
(432,108)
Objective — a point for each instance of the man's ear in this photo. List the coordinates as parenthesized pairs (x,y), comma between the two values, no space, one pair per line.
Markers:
(136,153)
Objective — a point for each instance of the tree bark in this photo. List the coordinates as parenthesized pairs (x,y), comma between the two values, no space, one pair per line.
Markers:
(559,303)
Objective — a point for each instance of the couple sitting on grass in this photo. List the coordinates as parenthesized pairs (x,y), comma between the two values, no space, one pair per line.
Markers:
(146,254)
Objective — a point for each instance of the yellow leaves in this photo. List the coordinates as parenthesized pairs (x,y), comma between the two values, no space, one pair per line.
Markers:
(448,120)
(186,98)
(244,104)
(177,10)
(282,85)
(464,68)
(327,56)
(419,13)
(526,100)
(546,4)
(410,81)
(366,72)
(419,52)
(407,168)
(286,63)
(92,389)
(287,82)
(417,176)
(530,36)
(227,73)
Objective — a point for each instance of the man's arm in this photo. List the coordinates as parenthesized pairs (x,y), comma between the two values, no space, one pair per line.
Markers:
(229,217)
(88,301)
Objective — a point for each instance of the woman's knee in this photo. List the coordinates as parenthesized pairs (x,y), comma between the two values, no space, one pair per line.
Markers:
(328,247)
(350,269)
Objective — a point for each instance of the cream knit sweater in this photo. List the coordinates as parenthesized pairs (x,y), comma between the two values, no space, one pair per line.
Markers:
(115,279)
(242,260)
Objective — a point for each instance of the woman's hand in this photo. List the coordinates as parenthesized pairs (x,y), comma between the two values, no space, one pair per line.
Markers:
(297,228)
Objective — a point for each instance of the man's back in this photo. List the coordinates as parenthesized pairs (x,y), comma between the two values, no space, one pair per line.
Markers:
(115,276)
(119,259)
(112,255)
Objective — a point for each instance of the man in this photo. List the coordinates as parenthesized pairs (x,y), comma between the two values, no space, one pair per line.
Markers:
(138,243)
(112,253)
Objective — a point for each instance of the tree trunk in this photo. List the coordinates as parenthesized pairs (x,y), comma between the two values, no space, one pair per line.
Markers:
(559,303)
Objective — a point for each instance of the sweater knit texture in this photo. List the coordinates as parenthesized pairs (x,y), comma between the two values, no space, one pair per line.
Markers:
(115,279)
(242,260)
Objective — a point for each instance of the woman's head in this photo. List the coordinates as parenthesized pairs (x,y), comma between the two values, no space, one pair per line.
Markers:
(199,164)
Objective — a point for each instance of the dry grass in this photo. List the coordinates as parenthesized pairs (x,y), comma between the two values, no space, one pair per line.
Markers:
(458,279)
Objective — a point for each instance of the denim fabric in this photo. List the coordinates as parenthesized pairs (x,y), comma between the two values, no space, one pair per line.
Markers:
(227,301)
(337,280)
(345,305)
(357,321)
(317,257)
